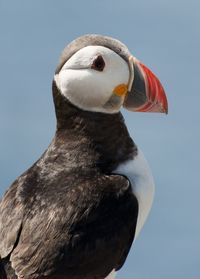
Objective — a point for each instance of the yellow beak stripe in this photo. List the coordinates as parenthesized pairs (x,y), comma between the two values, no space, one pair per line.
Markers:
(120,90)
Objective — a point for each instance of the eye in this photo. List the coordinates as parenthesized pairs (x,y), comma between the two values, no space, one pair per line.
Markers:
(98,64)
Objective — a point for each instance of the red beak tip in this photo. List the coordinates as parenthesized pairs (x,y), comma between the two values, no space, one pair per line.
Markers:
(156,93)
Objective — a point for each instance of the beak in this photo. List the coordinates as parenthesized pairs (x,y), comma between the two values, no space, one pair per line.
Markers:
(145,92)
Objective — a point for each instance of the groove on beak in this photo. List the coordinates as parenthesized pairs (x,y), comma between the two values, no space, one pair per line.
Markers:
(146,93)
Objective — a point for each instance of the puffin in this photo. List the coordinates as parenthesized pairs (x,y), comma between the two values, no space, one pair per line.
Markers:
(76,211)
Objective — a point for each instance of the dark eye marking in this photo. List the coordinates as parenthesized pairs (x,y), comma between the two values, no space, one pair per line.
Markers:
(98,64)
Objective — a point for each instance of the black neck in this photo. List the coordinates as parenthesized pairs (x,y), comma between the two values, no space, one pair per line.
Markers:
(102,138)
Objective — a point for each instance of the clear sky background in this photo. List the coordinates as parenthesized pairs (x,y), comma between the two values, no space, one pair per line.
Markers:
(165,35)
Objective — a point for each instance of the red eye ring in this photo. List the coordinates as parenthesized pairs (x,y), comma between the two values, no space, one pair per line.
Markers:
(98,64)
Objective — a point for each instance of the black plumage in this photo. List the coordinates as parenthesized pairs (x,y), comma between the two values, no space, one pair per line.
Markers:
(69,216)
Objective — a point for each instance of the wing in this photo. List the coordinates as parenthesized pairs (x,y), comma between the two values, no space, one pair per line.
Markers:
(85,229)
(106,233)
(11,215)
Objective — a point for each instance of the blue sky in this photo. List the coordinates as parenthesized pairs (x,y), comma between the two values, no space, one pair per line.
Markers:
(165,35)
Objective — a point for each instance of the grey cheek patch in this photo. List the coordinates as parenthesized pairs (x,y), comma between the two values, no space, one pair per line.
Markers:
(113,103)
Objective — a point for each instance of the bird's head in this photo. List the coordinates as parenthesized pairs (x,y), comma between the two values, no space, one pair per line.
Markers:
(98,73)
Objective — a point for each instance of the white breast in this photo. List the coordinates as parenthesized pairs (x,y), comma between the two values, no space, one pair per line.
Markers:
(139,174)
(111,275)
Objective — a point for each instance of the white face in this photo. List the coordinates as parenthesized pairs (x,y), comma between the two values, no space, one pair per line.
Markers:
(90,76)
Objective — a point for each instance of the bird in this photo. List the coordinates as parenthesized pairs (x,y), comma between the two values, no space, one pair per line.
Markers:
(75,213)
